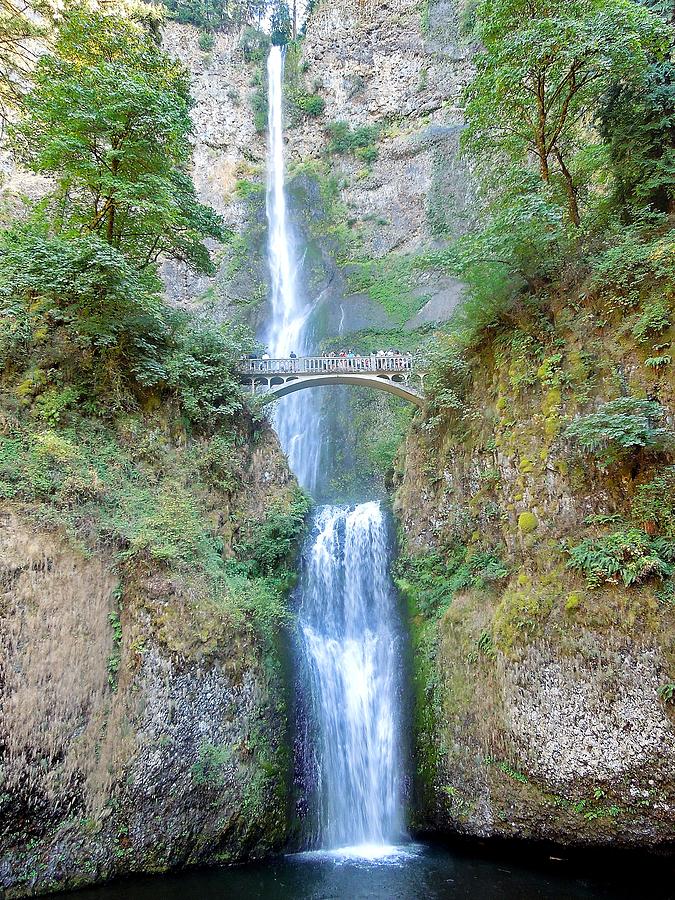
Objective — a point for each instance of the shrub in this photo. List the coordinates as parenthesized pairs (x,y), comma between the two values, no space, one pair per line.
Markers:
(637,260)
(310,105)
(259,106)
(433,579)
(254,44)
(654,503)
(448,379)
(271,548)
(619,428)
(208,770)
(627,555)
(654,318)
(199,369)
(345,139)
(667,693)
(206,41)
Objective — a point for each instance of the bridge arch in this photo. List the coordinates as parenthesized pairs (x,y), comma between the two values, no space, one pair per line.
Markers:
(292,383)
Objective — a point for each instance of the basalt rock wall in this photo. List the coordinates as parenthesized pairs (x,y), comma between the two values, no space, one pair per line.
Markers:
(143,717)
(542,705)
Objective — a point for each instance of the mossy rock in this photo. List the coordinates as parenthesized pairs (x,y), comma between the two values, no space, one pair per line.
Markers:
(527,522)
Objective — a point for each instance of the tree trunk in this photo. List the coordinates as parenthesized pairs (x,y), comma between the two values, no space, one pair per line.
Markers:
(110,226)
(570,190)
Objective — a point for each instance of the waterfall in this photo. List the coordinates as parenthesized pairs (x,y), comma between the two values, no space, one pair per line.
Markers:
(353,660)
(347,614)
(288,330)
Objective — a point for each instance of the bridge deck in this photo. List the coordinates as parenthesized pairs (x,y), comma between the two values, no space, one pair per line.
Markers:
(319,365)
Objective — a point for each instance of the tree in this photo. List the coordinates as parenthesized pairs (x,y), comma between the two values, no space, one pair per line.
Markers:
(77,310)
(544,67)
(637,123)
(108,119)
(214,15)
(281,24)
(16,56)
(101,314)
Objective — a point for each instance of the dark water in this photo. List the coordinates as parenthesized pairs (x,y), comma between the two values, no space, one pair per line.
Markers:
(421,873)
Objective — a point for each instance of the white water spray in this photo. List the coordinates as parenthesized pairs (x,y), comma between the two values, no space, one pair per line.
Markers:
(353,660)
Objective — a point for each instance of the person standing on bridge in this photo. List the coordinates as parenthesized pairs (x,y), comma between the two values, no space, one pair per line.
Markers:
(293,358)
(265,366)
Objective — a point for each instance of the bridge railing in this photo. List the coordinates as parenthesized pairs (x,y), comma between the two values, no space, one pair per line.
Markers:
(315,365)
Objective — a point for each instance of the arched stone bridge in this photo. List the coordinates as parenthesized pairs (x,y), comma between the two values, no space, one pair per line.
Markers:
(397,375)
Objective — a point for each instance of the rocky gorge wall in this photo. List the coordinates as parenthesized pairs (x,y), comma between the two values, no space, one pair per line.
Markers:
(542,705)
(142,703)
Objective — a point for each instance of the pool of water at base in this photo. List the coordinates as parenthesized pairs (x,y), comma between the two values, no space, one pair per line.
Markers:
(410,872)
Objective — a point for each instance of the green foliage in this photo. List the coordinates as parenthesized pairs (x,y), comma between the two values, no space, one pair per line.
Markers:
(303,104)
(115,657)
(519,247)
(637,260)
(108,120)
(654,502)
(433,579)
(388,281)
(667,693)
(199,369)
(125,485)
(541,73)
(628,555)
(206,41)
(620,428)
(98,326)
(260,109)
(254,44)
(590,203)
(281,23)
(208,770)
(100,310)
(449,376)
(359,140)
(272,546)
(16,31)
(637,123)
(218,462)
(54,404)
(215,15)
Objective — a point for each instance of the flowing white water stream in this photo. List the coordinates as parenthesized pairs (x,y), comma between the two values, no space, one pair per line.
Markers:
(347,610)
(298,416)
(353,659)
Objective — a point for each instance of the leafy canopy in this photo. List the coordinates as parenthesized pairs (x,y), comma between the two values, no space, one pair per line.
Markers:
(215,15)
(78,312)
(108,119)
(544,65)
(16,54)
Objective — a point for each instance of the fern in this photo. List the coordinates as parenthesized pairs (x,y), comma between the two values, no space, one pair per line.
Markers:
(619,428)
(628,555)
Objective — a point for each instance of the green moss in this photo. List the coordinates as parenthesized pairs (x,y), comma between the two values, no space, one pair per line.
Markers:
(527,522)
(389,282)
(520,613)
(573,601)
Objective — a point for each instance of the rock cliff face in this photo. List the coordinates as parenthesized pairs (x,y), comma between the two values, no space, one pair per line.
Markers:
(396,69)
(142,714)
(541,710)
